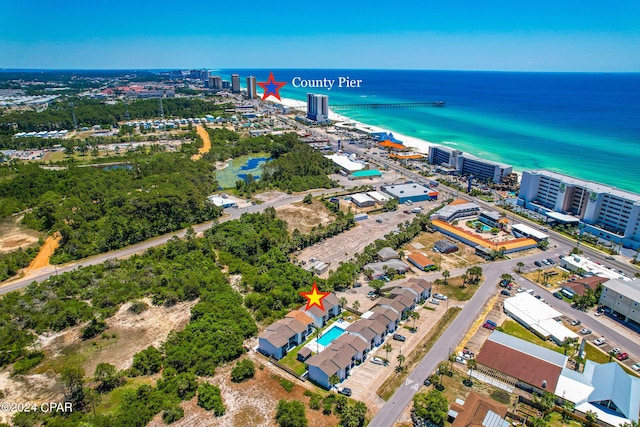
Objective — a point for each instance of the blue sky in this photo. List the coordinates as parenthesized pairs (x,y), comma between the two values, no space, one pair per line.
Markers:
(558,35)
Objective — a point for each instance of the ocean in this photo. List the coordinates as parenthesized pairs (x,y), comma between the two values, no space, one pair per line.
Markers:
(585,125)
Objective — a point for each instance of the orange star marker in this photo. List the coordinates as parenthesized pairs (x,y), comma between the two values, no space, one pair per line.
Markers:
(314,297)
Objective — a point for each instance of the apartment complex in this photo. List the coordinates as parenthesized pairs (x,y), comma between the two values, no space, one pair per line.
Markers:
(317,107)
(623,298)
(601,210)
(467,165)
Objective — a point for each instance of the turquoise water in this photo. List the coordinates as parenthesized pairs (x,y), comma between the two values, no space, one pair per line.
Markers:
(330,335)
(482,226)
(585,125)
(240,168)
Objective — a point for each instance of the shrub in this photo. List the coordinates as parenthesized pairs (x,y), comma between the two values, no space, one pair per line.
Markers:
(93,328)
(138,307)
(209,398)
(243,370)
(286,384)
(172,415)
(28,362)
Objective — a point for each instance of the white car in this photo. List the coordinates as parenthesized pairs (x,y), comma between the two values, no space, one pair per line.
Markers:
(440,296)
(636,367)
(616,351)
(377,361)
(434,301)
(599,341)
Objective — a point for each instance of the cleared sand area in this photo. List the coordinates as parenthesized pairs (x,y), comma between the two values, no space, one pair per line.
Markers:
(42,259)
(206,146)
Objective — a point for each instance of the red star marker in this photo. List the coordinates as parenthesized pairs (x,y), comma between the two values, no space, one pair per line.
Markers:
(271,87)
(314,297)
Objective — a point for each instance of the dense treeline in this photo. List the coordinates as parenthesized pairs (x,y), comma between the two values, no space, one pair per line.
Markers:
(294,166)
(91,112)
(97,210)
(182,270)
(12,262)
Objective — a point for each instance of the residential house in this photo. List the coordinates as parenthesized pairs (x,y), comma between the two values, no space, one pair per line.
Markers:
(421,261)
(371,331)
(331,305)
(389,317)
(478,410)
(387,253)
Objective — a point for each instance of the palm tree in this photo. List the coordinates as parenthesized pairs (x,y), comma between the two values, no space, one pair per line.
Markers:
(343,302)
(356,305)
(415,316)
(388,348)
(446,274)
(506,278)
(520,264)
(472,365)
(401,360)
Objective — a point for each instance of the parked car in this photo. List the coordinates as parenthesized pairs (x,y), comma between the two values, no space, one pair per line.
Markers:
(585,331)
(623,356)
(520,290)
(462,360)
(357,285)
(434,301)
(545,262)
(488,326)
(346,391)
(557,295)
(599,341)
(538,297)
(505,292)
(491,322)
(616,351)
(440,297)
(399,337)
(377,361)
(609,257)
(599,313)
(575,323)
(636,367)
(537,263)
(379,221)
(427,382)
(551,261)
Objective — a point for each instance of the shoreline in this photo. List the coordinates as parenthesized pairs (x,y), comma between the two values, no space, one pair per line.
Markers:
(417,144)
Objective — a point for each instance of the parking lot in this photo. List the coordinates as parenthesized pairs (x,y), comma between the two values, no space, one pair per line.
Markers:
(344,246)
(365,379)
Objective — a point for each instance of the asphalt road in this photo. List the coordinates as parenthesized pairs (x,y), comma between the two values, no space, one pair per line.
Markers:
(232,213)
(393,408)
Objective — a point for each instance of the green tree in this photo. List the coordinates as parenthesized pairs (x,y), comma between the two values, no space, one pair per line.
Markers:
(73,378)
(432,406)
(356,305)
(147,361)
(415,316)
(354,415)
(209,398)
(333,380)
(108,376)
(291,414)
(243,370)
(520,265)
(445,275)
(546,401)
(308,199)
(471,365)
(401,359)
(388,348)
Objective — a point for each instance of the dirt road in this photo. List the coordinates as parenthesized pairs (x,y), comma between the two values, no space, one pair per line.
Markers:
(206,143)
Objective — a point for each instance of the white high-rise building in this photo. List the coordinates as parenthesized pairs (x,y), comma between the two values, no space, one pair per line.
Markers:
(251,87)
(317,107)
(601,210)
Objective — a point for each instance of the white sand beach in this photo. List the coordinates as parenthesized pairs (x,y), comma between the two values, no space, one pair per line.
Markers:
(416,144)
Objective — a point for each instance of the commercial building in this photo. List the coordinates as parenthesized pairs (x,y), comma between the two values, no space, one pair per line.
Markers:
(523,230)
(222,202)
(367,173)
(410,191)
(538,317)
(478,411)
(235,83)
(378,270)
(467,165)
(251,87)
(361,200)
(378,197)
(586,267)
(623,298)
(606,389)
(580,286)
(456,210)
(317,107)
(215,83)
(349,163)
(601,210)
(445,247)
(387,253)
(421,261)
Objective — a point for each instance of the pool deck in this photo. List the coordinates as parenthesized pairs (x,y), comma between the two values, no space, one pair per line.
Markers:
(315,346)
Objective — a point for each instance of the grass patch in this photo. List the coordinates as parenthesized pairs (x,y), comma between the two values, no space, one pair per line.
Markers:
(515,329)
(453,290)
(73,355)
(501,396)
(292,363)
(555,420)
(110,401)
(389,386)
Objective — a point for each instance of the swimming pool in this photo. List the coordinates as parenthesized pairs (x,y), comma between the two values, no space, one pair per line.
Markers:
(330,335)
(482,226)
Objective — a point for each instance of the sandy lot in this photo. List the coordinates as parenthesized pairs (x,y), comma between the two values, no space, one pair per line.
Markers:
(14,236)
(206,143)
(304,217)
(48,248)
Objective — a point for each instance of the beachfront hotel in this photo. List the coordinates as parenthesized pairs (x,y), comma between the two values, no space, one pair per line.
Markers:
(317,107)
(457,162)
(251,87)
(599,209)
(235,83)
